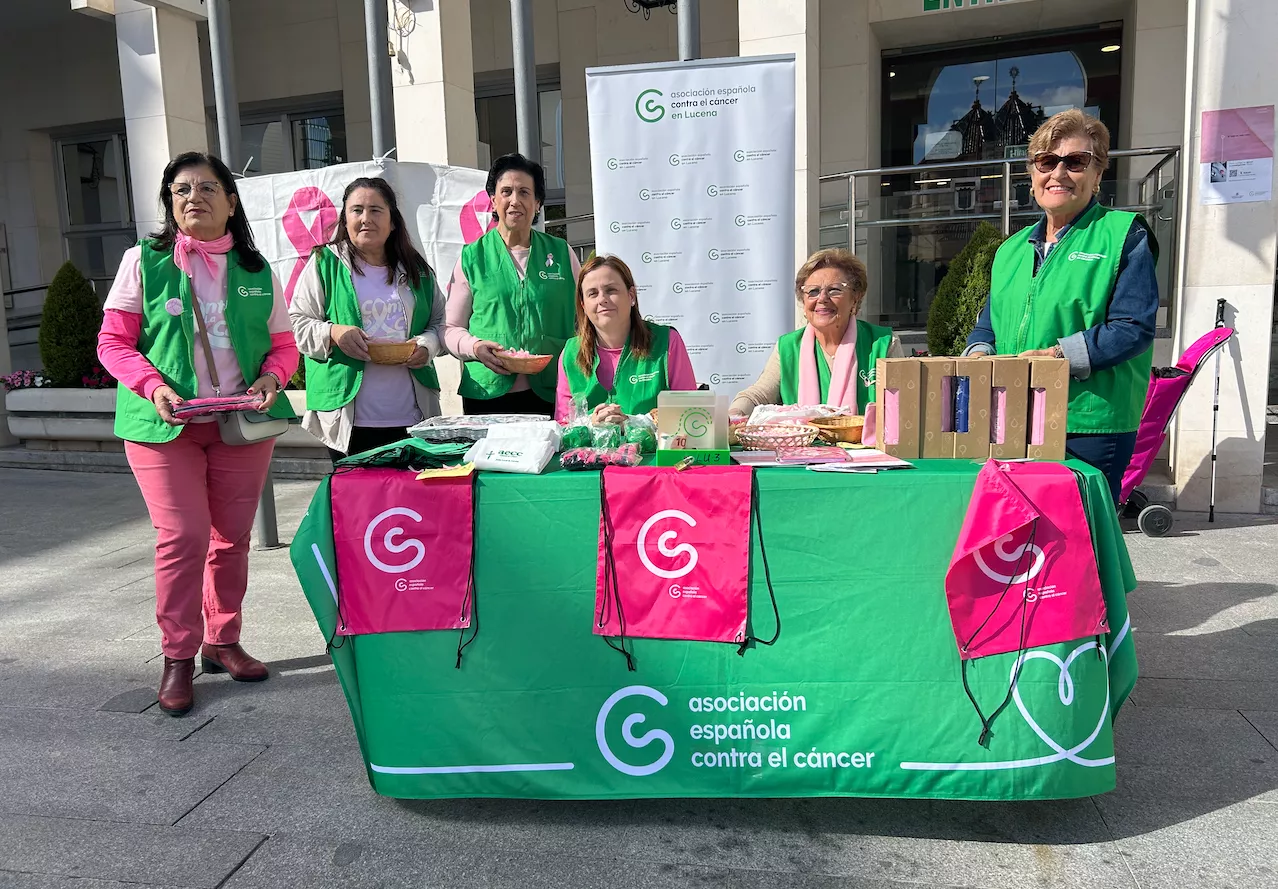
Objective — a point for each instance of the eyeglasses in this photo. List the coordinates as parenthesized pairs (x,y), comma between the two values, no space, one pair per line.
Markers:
(1075,163)
(834,291)
(207,189)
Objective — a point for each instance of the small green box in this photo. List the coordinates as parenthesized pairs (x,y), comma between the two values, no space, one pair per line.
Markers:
(699,458)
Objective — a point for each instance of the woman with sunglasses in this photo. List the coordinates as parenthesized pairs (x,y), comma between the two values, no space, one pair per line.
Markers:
(831,359)
(1079,285)
(198,279)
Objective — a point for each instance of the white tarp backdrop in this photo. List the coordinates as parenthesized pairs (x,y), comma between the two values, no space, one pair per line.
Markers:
(445,208)
(693,174)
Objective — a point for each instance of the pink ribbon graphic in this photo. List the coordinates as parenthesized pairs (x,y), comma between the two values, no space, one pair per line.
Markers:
(302,238)
(476,217)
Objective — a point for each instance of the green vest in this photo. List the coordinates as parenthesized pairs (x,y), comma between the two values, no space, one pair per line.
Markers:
(537,313)
(1071,293)
(872,343)
(636,384)
(333,383)
(167,341)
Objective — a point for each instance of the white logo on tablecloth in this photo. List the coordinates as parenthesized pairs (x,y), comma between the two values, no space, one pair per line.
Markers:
(627,733)
(663,545)
(391,544)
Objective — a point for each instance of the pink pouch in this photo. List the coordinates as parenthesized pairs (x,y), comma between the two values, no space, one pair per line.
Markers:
(674,553)
(404,551)
(219,404)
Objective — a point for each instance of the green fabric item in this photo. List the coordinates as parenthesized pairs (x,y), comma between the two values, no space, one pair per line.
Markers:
(1071,293)
(408,452)
(637,382)
(536,313)
(872,343)
(168,341)
(870,651)
(333,383)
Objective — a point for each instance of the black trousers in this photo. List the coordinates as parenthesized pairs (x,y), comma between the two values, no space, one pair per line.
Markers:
(365,438)
(525,402)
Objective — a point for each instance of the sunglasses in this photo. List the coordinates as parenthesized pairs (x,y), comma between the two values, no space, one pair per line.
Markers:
(1075,163)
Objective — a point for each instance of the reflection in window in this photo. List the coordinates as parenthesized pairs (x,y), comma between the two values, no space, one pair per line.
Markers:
(97,214)
(287,142)
(498,133)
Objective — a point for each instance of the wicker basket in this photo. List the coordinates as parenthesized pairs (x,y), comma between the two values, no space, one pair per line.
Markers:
(771,436)
(837,429)
(391,353)
(523,364)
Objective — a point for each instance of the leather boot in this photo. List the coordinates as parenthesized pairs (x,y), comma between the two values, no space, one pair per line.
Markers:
(176,694)
(231,659)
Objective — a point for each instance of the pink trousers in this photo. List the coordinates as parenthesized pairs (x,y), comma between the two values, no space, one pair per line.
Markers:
(202,496)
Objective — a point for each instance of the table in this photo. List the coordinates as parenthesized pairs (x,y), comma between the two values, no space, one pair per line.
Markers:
(860,696)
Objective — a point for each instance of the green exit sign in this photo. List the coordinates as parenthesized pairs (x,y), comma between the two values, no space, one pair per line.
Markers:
(930,5)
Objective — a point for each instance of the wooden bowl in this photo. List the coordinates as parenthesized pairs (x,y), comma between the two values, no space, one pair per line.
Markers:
(391,353)
(771,436)
(837,429)
(524,364)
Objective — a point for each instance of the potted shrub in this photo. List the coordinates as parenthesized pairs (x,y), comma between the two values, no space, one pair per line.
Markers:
(962,293)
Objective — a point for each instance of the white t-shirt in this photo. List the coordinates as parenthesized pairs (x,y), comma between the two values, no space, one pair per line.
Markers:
(386,396)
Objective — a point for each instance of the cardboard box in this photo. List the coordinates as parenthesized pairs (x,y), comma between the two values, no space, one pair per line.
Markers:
(937,385)
(1048,408)
(972,394)
(692,421)
(897,394)
(1009,407)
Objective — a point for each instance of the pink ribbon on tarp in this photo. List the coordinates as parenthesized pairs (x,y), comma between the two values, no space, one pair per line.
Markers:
(476,217)
(305,238)
(1023,573)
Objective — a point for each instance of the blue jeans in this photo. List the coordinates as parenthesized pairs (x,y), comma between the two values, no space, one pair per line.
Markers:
(1110,452)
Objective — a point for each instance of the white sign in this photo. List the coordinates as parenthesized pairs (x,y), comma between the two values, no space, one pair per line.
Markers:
(1236,155)
(693,175)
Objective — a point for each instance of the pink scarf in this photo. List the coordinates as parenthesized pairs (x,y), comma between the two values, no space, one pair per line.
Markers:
(842,375)
(184,246)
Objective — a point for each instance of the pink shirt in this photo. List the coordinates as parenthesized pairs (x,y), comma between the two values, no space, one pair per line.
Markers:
(122,324)
(678,366)
(457,336)
(386,396)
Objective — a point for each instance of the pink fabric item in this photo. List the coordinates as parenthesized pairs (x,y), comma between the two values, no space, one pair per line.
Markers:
(202,496)
(678,366)
(842,373)
(1038,416)
(647,585)
(403,551)
(998,416)
(185,247)
(1023,573)
(870,431)
(203,407)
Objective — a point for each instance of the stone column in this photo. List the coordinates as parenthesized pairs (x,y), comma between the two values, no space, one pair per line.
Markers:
(163,97)
(1229,252)
(434,79)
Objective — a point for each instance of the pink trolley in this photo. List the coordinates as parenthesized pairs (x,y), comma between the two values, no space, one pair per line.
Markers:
(1167,386)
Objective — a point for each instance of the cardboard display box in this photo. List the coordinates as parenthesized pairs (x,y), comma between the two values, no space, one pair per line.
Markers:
(973,395)
(936,379)
(1009,407)
(1048,408)
(897,391)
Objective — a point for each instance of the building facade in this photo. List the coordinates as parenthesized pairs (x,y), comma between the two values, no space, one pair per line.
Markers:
(99,94)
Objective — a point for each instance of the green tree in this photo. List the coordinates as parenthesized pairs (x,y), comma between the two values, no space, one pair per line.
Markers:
(69,328)
(962,293)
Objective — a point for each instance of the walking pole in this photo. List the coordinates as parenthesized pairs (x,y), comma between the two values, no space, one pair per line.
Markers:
(1215,415)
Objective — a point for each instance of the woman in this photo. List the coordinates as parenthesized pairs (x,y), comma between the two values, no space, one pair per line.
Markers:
(200,271)
(617,363)
(368,284)
(511,289)
(1088,274)
(831,359)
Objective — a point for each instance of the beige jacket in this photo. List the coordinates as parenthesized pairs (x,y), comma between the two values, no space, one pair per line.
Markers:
(312,327)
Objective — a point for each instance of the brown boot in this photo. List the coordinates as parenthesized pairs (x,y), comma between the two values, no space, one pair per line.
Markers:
(231,659)
(176,694)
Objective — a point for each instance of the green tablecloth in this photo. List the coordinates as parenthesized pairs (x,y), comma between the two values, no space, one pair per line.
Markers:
(866,661)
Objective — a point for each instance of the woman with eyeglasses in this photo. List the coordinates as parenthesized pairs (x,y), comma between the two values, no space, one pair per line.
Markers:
(200,278)
(831,359)
(1080,285)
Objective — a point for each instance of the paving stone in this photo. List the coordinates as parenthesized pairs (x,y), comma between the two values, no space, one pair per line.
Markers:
(102,850)
(1166,735)
(1206,694)
(11,880)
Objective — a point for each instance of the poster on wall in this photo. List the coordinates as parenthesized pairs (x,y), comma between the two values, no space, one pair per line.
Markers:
(1236,156)
(693,176)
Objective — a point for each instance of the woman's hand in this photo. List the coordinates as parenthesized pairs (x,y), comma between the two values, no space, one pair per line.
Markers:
(165,400)
(1053,352)
(420,358)
(269,388)
(485,354)
(607,413)
(351,340)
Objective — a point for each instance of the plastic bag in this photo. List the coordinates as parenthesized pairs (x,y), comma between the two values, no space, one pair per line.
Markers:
(608,436)
(524,456)
(640,430)
(599,458)
(536,430)
(795,413)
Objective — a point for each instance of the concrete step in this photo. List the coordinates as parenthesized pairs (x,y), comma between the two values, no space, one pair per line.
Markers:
(284,465)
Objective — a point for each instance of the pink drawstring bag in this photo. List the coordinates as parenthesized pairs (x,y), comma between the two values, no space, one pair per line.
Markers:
(674,554)
(404,551)
(1023,572)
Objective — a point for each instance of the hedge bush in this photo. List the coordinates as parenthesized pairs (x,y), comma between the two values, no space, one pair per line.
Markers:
(69,328)
(962,293)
